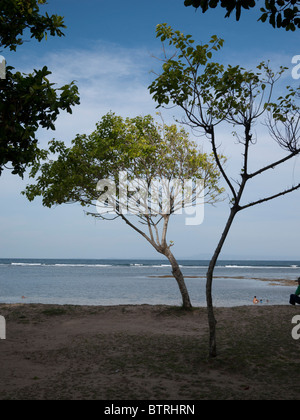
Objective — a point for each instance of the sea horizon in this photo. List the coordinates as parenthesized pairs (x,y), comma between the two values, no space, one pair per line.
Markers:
(187,261)
(149,258)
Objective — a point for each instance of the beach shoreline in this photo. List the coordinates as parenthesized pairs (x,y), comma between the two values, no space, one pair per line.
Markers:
(143,352)
(272,282)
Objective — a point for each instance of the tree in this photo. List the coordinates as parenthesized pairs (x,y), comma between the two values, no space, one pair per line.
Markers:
(211,95)
(28,101)
(280,13)
(150,164)
(18,16)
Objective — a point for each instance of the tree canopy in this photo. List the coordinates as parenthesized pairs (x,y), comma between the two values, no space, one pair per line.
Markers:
(139,146)
(279,13)
(28,101)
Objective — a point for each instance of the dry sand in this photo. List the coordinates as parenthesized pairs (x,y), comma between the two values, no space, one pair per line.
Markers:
(147,352)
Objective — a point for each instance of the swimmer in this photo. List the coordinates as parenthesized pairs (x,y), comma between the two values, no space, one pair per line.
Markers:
(255,300)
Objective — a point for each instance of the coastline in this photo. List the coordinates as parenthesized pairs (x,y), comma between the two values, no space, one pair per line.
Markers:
(147,352)
(272,282)
(114,282)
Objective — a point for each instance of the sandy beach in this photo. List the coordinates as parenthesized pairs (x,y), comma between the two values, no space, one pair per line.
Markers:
(147,352)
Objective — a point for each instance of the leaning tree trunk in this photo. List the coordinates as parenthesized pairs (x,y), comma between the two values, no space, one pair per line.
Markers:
(209,282)
(177,273)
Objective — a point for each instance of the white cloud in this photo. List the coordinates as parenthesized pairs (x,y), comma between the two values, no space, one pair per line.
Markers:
(109,78)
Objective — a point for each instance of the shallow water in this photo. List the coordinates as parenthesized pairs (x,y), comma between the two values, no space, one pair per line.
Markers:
(113,282)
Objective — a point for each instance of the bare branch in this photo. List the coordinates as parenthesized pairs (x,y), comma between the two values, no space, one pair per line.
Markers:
(288,137)
(164,233)
(272,197)
(140,232)
(150,227)
(220,166)
(274,164)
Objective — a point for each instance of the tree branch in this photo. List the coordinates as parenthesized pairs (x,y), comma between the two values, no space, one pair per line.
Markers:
(264,200)
(164,233)
(273,165)
(150,228)
(220,166)
(140,232)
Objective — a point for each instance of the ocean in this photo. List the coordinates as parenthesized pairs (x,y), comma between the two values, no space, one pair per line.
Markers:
(131,282)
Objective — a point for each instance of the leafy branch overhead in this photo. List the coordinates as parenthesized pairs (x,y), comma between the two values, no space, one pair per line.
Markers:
(28,101)
(279,13)
(19,16)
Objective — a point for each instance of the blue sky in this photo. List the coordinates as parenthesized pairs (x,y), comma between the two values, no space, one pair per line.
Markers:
(108,49)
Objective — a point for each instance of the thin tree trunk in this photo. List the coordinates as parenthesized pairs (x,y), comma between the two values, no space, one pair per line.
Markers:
(177,273)
(165,250)
(209,277)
